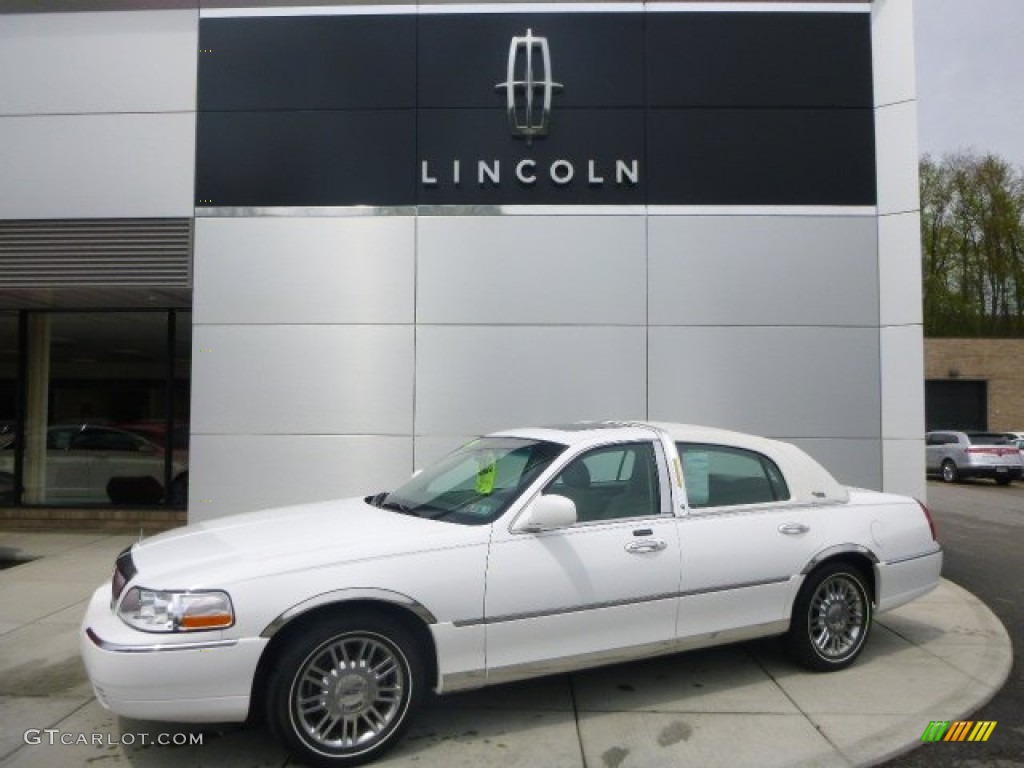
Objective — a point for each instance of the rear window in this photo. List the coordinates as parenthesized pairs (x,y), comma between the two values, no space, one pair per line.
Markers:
(987,438)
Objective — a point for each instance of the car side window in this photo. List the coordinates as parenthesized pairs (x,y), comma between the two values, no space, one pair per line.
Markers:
(611,483)
(720,476)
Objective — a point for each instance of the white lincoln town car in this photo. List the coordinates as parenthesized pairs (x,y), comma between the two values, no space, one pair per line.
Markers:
(524,553)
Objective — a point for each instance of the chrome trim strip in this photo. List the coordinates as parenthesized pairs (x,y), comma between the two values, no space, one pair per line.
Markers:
(838,549)
(920,556)
(636,6)
(308,10)
(300,211)
(763,210)
(763,6)
(563,611)
(347,596)
(570,663)
(204,645)
(616,603)
(532,210)
(328,211)
(731,587)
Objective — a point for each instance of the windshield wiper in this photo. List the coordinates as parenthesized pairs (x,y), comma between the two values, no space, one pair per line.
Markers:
(398,507)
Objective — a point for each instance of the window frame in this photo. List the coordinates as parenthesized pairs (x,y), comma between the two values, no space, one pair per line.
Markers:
(766,464)
(662,477)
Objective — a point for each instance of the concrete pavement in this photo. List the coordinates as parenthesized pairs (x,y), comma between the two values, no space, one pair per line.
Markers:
(939,658)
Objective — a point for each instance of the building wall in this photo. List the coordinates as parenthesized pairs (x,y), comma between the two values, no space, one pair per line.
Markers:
(335,351)
(1000,362)
(97,114)
(899,248)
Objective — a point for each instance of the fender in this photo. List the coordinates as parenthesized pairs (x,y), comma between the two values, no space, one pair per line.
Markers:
(348,595)
(843,549)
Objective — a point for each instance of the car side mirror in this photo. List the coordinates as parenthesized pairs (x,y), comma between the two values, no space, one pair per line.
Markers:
(547,513)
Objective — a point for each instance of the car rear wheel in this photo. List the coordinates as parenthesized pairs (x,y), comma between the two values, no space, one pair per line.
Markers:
(950,473)
(345,689)
(831,618)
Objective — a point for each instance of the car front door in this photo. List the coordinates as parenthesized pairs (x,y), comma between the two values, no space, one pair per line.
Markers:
(595,590)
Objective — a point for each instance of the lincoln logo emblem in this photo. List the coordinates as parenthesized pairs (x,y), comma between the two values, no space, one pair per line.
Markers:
(528,93)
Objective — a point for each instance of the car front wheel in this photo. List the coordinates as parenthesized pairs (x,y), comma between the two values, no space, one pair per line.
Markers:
(950,474)
(345,689)
(831,618)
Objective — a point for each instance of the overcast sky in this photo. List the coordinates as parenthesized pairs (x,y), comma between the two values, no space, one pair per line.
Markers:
(970,77)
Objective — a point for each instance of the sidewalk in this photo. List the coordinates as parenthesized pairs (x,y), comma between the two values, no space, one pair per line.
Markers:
(939,658)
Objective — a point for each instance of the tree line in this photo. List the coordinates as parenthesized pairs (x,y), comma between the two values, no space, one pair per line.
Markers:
(972,239)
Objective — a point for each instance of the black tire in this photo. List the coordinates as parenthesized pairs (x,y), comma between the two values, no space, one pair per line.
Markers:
(950,474)
(831,618)
(345,688)
(1003,480)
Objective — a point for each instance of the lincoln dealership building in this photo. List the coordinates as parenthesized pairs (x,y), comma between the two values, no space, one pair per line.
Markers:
(303,249)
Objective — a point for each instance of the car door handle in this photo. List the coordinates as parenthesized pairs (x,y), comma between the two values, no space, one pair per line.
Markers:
(645,546)
(793,529)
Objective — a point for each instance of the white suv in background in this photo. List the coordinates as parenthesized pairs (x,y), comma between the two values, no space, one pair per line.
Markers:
(955,456)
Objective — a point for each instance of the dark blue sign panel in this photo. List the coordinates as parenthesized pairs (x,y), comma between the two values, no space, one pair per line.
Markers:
(689,108)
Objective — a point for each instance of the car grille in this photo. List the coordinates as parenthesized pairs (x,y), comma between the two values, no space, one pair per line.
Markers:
(124,571)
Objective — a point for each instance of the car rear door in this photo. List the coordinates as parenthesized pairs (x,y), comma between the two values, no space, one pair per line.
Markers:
(742,543)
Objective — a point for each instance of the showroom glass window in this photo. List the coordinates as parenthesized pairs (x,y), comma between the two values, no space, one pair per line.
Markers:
(8,401)
(104,416)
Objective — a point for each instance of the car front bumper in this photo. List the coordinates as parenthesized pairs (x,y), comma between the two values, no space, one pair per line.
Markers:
(195,678)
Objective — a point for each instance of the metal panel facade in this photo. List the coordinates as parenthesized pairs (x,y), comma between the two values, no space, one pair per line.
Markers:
(714,224)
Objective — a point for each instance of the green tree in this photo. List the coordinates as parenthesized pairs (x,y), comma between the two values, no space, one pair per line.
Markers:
(972,235)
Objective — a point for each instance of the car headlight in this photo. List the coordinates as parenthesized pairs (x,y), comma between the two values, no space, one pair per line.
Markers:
(154,610)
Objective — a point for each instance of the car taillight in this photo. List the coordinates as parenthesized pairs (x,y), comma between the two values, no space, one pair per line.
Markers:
(993,451)
(928,517)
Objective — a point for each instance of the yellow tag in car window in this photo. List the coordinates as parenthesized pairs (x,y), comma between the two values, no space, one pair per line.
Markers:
(485,477)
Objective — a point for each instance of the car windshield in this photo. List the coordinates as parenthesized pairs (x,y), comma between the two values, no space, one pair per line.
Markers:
(476,483)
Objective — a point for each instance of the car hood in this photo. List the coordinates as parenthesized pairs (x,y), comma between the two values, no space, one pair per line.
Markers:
(257,544)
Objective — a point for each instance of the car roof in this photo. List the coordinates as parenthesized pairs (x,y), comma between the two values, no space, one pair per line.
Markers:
(808,480)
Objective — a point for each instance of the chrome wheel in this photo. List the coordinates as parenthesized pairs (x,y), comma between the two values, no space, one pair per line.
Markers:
(949,472)
(343,687)
(349,692)
(836,620)
(831,617)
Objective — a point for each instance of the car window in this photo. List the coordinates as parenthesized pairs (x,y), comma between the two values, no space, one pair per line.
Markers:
(719,476)
(987,438)
(474,484)
(611,483)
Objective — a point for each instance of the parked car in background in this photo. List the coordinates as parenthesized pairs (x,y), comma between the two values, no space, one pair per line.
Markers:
(95,464)
(955,456)
(523,553)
